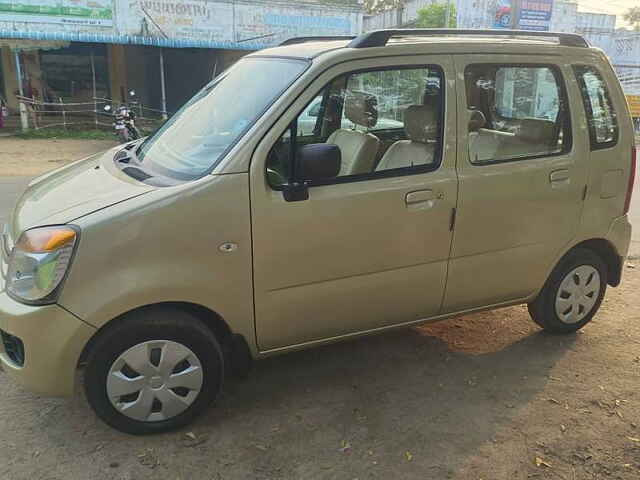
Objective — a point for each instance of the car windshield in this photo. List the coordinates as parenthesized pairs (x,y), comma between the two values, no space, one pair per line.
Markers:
(196,138)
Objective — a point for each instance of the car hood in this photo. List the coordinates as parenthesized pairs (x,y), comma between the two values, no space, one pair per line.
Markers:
(74,191)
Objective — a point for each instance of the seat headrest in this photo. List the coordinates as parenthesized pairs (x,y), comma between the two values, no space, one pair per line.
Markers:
(361,108)
(534,130)
(421,123)
(477,120)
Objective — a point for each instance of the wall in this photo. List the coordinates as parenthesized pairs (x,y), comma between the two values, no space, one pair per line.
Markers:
(623,49)
(234,24)
(595,22)
(476,13)
(564,17)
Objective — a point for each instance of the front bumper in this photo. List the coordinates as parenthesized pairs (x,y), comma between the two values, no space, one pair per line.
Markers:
(53,341)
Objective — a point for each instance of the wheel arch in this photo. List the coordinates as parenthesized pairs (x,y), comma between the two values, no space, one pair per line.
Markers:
(609,255)
(211,319)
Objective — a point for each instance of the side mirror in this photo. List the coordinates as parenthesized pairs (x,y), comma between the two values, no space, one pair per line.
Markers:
(316,161)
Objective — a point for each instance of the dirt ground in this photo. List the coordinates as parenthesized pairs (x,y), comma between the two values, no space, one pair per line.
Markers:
(20,157)
(487,396)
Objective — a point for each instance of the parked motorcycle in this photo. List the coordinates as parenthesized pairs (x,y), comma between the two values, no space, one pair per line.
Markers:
(124,122)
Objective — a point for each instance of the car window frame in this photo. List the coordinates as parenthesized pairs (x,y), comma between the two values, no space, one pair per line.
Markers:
(588,108)
(395,172)
(556,70)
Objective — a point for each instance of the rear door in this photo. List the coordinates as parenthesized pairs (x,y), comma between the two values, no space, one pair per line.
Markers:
(610,136)
(522,177)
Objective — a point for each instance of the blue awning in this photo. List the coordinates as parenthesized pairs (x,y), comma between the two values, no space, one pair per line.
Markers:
(131,40)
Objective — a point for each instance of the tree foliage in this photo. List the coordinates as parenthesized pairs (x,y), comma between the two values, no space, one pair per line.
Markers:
(433,16)
(633,17)
(373,6)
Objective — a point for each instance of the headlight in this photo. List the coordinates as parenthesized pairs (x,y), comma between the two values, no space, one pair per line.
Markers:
(39,262)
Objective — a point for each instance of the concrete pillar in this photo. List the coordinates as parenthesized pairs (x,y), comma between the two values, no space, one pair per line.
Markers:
(24,119)
(163,90)
(10,78)
(117,72)
(229,57)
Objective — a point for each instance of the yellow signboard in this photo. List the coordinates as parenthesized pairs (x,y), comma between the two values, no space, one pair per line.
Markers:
(634,105)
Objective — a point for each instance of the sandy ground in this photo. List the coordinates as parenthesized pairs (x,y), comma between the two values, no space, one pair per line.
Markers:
(486,396)
(32,157)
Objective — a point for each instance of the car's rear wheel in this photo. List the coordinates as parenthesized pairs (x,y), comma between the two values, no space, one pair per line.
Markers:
(573,293)
(153,371)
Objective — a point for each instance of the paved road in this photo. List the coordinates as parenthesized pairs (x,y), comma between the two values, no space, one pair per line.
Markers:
(11,187)
(634,215)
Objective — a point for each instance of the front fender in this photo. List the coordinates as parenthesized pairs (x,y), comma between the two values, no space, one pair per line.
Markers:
(165,248)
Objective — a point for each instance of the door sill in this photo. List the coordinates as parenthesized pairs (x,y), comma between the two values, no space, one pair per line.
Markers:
(372,331)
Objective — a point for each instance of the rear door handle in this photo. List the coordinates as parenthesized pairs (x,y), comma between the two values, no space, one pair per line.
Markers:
(559,178)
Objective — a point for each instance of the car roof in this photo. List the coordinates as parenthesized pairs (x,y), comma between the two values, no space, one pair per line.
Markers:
(401,41)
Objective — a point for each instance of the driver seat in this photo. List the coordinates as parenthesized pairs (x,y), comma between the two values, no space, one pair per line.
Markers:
(358,149)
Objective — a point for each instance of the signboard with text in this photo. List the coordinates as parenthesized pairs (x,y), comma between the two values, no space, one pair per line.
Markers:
(535,15)
(237,24)
(95,13)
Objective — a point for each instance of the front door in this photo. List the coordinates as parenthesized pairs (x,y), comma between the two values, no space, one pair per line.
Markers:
(369,247)
(522,177)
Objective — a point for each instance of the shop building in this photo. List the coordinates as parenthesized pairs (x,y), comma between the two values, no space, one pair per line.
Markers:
(165,50)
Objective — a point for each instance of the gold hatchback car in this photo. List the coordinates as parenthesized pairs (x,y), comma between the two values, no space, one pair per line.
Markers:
(314,192)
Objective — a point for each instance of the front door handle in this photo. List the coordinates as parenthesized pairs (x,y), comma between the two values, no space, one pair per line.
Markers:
(419,197)
(559,178)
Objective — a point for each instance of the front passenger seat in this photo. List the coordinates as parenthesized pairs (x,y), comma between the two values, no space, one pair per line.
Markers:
(421,124)
(358,149)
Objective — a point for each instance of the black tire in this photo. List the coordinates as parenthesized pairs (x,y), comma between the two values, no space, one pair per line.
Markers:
(543,310)
(153,324)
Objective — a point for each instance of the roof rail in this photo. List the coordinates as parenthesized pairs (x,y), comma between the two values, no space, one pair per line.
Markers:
(379,38)
(295,40)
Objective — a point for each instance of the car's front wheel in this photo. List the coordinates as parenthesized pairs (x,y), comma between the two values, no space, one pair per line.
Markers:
(154,370)
(573,293)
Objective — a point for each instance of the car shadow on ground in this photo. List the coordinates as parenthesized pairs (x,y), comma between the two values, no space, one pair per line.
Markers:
(417,401)
(407,394)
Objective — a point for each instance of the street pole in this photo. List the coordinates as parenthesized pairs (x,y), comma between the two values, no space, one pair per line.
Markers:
(447,14)
(515,13)
(24,119)
(93,84)
(400,14)
(162,86)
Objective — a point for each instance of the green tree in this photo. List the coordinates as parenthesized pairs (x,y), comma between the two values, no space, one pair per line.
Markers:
(633,17)
(373,6)
(433,16)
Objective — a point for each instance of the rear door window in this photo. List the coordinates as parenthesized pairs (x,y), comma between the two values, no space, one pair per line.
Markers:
(516,112)
(601,116)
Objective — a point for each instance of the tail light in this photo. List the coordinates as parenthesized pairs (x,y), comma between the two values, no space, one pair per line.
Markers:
(632,176)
